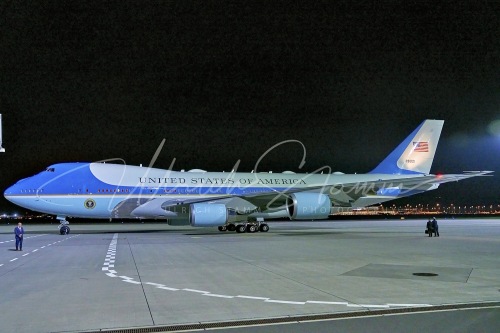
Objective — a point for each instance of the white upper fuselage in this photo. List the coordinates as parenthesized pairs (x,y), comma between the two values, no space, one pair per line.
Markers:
(95,190)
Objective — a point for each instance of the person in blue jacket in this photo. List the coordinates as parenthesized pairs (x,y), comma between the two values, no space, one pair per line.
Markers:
(19,231)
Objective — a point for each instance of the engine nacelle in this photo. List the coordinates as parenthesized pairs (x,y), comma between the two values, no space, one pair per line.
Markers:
(305,206)
(207,215)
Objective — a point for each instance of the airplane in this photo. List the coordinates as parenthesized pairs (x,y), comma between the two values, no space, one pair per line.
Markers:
(231,201)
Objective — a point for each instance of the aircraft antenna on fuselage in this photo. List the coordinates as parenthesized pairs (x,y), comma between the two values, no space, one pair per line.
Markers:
(2,150)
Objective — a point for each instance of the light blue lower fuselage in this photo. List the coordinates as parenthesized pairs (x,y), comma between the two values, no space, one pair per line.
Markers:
(95,190)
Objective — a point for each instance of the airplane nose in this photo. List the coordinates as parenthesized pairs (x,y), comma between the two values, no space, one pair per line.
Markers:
(14,190)
(10,192)
(13,193)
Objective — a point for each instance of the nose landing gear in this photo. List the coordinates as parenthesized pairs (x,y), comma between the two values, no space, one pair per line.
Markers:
(64,230)
(63,227)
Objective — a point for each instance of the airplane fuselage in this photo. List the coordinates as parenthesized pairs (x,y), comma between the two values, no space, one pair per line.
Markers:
(96,190)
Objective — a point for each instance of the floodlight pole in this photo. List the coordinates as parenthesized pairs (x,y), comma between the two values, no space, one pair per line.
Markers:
(2,150)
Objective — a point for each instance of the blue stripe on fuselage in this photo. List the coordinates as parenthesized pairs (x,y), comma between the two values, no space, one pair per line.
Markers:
(77,178)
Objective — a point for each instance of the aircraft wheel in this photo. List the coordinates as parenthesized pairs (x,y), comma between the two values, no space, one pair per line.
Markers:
(231,227)
(64,230)
(264,228)
(222,228)
(241,228)
(251,228)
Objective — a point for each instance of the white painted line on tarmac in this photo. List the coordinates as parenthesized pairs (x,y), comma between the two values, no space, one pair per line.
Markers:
(327,303)
(110,257)
(407,305)
(26,237)
(283,302)
(196,291)
(131,281)
(220,296)
(385,306)
(35,250)
(253,297)
(168,288)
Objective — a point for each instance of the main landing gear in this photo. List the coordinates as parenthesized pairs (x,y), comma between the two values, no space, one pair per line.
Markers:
(245,227)
(63,227)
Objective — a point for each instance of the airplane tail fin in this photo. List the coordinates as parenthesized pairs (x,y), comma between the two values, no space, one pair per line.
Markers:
(415,154)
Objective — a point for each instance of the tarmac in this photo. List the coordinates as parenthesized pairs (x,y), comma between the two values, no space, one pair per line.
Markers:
(153,277)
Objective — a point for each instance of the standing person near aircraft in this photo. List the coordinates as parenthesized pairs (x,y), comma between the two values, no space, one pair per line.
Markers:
(19,232)
(435,227)
(429,228)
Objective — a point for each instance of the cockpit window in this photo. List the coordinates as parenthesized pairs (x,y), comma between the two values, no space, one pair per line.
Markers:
(50,169)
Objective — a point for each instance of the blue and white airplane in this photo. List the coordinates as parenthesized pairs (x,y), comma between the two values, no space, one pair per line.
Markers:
(230,201)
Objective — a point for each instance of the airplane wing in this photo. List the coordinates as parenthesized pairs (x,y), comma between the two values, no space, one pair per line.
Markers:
(362,194)
(359,194)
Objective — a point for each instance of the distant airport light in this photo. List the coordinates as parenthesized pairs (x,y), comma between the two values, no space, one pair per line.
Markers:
(494,128)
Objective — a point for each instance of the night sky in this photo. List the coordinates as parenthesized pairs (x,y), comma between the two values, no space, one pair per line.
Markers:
(222,82)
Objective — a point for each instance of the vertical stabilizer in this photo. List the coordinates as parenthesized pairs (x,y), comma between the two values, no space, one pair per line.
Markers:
(416,153)
(2,150)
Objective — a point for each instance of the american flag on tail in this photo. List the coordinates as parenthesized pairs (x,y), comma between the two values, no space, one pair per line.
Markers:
(421,146)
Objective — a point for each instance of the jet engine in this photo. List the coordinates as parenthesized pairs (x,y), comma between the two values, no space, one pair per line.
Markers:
(305,206)
(207,215)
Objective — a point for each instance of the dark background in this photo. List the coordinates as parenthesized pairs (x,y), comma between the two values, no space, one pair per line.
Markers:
(224,81)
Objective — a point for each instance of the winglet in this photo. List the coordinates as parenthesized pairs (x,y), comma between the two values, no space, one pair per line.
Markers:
(415,154)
